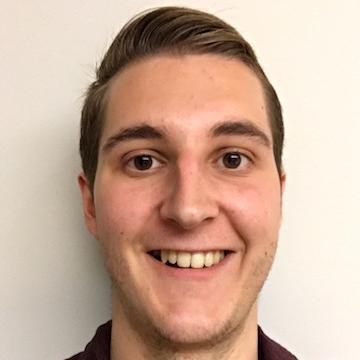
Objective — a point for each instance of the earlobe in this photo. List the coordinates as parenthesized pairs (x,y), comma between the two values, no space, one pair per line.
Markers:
(282,181)
(88,204)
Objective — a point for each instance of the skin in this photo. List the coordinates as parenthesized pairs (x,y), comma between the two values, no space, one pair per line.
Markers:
(189,199)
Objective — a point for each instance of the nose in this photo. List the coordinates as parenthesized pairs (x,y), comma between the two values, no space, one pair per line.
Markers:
(190,200)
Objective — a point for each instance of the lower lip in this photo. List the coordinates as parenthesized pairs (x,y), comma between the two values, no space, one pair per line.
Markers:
(190,273)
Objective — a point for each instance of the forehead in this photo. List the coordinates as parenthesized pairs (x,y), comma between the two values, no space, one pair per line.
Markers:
(185,95)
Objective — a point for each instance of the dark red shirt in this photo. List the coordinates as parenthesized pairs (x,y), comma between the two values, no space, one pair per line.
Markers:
(99,347)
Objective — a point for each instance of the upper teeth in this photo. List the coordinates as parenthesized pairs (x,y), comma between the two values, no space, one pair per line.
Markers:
(194,260)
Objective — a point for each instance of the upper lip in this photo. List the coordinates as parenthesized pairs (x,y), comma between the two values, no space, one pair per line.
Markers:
(192,250)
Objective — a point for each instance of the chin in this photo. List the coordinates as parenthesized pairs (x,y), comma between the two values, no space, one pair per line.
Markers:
(193,329)
(187,334)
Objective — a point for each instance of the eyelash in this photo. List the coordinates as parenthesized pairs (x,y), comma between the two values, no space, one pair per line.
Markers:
(130,162)
(243,158)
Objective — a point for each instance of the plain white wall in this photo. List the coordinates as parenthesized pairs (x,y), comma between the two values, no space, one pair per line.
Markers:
(54,289)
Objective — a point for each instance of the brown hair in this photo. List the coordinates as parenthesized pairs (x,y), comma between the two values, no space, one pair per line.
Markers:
(169,30)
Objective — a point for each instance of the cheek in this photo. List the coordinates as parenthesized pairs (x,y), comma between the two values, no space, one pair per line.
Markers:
(122,209)
(120,219)
(255,212)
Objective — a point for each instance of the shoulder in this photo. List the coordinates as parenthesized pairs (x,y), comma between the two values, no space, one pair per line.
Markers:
(99,347)
(268,349)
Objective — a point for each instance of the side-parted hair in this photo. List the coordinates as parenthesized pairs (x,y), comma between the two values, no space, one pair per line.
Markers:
(173,31)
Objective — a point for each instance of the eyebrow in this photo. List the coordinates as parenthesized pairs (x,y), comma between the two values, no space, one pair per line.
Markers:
(133,133)
(243,128)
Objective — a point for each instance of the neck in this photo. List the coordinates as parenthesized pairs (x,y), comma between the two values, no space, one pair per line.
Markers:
(129,342)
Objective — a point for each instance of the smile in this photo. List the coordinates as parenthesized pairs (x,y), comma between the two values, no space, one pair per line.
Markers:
(194,260)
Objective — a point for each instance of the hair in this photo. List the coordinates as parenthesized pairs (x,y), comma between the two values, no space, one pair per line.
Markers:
(173,31)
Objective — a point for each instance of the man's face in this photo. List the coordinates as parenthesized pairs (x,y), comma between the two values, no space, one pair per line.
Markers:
(186,165)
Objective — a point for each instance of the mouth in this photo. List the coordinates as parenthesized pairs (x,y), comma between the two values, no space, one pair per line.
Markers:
(189,260)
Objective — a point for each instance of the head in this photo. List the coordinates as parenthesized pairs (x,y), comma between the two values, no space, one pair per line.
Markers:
(176,31)
(181,142)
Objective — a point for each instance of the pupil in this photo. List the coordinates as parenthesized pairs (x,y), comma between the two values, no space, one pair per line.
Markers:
(143,162)
(232,160)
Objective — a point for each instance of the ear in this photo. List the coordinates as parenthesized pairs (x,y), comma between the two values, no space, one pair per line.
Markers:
(88,204)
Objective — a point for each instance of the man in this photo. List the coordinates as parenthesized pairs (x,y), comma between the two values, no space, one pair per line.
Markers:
(181,143)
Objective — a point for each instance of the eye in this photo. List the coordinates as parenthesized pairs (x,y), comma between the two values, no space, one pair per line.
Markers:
(143,162)
(233,160)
